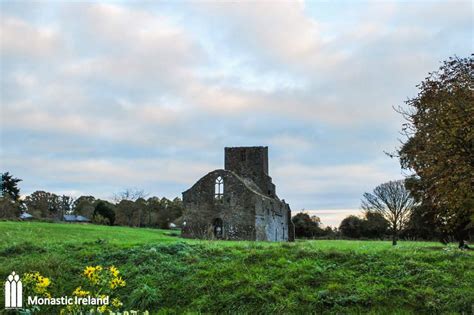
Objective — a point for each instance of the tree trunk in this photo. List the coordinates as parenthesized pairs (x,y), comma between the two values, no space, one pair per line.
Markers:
(394,235)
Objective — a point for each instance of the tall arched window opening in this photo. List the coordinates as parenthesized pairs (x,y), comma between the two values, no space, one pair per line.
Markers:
(219,188)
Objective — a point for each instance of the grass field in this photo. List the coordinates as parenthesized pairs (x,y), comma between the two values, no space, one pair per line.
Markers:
(168,274)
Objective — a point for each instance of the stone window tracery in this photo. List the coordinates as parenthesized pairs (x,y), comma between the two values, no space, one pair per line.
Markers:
(219,188)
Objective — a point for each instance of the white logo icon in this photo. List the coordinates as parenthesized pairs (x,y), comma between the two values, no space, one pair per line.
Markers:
(13,291)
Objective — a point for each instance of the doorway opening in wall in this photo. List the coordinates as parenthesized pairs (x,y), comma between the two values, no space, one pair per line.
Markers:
(218,227)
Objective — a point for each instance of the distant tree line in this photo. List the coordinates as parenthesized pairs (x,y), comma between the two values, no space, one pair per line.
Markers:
(307,226)
(373,225)
(390,211)
(130,207)
(370,225)
(141,212)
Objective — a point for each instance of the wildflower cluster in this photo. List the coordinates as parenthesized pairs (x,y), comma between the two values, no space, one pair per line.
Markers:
(37,283)
(80,293)
(99,282)
(92,273)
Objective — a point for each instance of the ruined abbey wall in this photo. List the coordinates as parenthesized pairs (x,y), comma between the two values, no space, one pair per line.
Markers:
(238,203)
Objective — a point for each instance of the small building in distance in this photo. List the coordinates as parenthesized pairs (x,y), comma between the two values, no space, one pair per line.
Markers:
(238,202)
(72,218)
(26,216)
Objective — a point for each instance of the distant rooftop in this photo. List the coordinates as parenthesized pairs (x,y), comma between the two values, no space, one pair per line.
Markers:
(75,218)
(25,215)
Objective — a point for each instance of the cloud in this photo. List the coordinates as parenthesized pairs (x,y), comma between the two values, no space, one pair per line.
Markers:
(97,96)
(282,30)
(130,47)
(354,70)
(118,173)
(329,186)
(21,39)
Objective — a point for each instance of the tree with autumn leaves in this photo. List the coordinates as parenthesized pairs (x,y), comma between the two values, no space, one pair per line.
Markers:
(439,146)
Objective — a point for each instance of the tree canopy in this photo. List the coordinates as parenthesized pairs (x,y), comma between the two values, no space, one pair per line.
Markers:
(439,145)
(307,226)
(10,186)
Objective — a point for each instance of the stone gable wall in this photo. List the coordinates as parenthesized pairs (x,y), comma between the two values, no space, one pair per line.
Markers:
(235,208)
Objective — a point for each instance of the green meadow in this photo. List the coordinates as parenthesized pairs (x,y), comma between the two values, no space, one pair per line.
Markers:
(168,274)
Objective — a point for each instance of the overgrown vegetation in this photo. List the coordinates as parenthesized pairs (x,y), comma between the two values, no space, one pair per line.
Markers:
(167,273)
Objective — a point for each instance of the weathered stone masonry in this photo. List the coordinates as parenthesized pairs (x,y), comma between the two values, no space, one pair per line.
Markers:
(238,202)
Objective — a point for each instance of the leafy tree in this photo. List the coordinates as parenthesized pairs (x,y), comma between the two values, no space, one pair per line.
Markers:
(351,226)
(169,211)
(440,145)
(104,209)
(131,207)
(10,186)
(307,226)
(9,208)
(65,205)
(141,206)
(127,213)
(154,212)
(85,206)
(394,202)
(329,232)
(42,204)
(374,225)
(153,207)
(422,224)
(68,203)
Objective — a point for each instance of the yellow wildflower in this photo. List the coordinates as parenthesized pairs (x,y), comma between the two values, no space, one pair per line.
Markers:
(79,292)
(116,302)
(114,271)
(43,282)
(117,282)
(102,308)
(89,271)
(37,282)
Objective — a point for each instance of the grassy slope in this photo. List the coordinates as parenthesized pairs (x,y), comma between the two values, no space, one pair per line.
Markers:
(172,274)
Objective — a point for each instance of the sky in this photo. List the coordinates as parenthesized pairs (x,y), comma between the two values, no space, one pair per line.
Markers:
(99,97)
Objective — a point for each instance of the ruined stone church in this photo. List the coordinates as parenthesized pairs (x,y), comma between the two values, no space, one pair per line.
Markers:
(238,202)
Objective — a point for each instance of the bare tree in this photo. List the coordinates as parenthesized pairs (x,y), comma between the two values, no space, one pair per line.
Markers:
(394,202)
(131,194)
(129,206)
